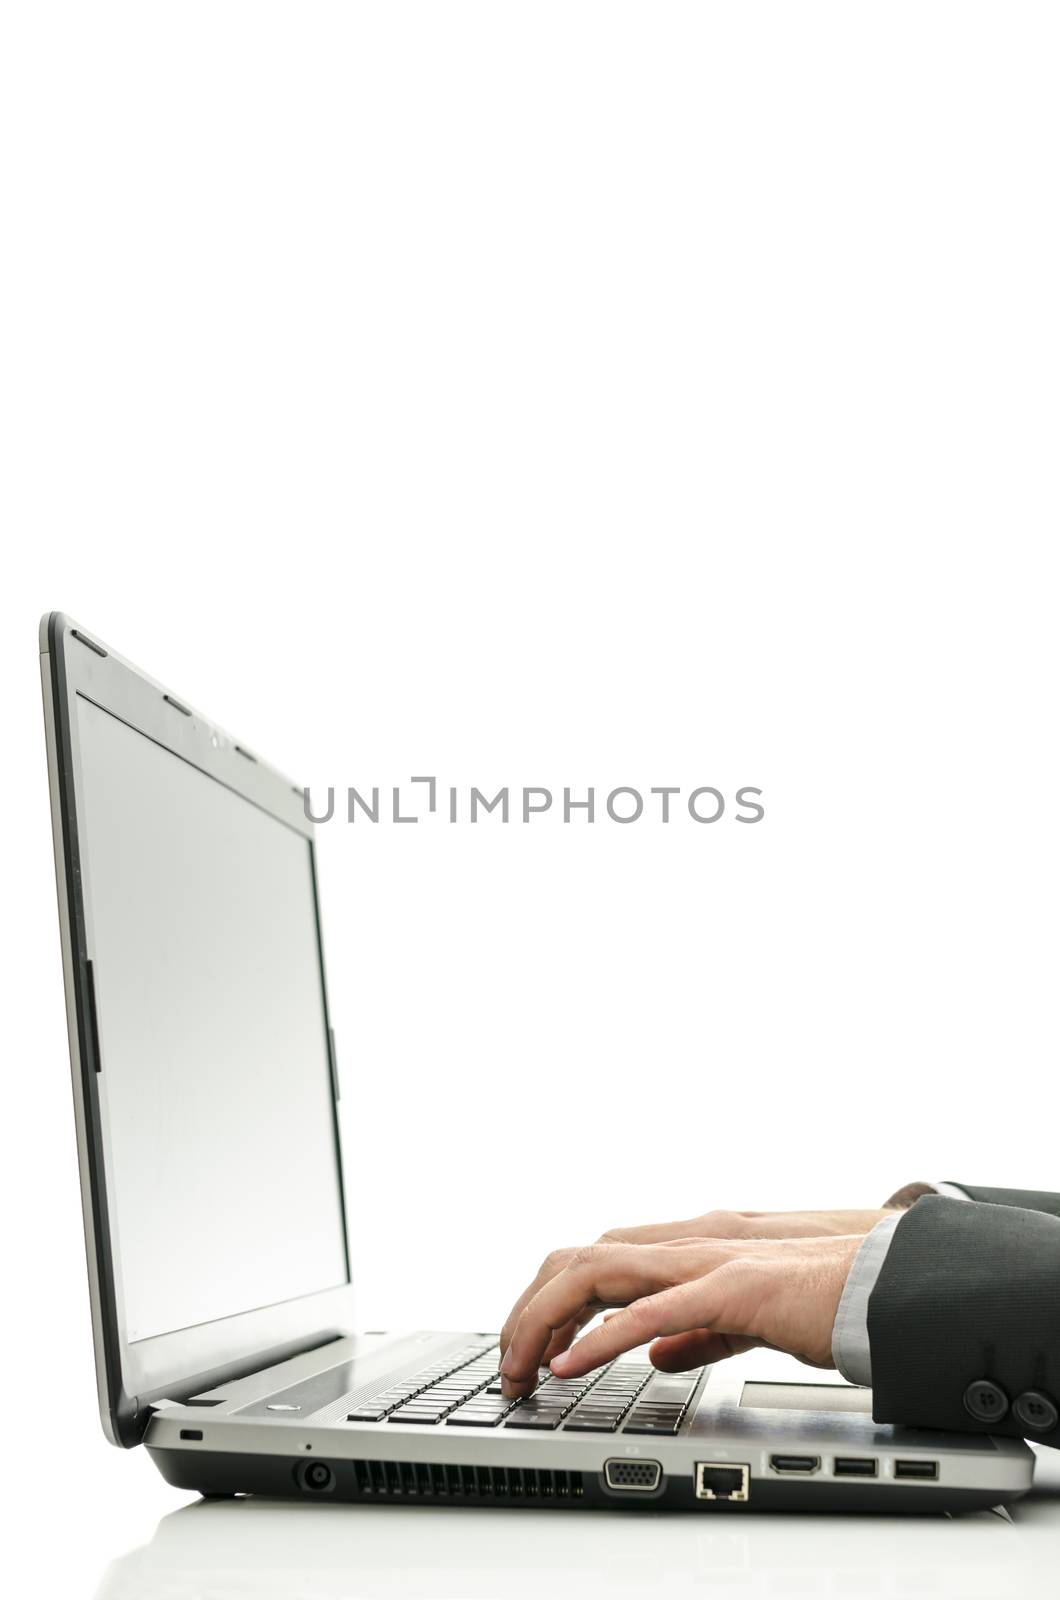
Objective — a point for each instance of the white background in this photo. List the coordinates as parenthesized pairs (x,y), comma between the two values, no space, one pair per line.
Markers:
(557,394)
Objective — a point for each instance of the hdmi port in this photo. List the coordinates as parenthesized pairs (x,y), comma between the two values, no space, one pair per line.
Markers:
(795,1463)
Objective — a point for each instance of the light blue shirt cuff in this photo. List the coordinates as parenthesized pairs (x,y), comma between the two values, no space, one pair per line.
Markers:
(850,1331)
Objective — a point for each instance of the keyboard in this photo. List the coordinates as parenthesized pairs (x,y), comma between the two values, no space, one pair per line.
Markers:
(464,1391)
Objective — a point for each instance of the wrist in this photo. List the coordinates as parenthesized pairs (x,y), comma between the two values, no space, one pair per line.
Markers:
(908,1195)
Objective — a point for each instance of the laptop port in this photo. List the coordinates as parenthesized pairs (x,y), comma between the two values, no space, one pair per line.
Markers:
(722,1480)
(794,1463)
(916,1469)
(316,1477)
(854,1467)
(636,1477)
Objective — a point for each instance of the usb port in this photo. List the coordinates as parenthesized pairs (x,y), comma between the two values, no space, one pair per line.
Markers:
(854,1466)
(794,1463)
(916,1469)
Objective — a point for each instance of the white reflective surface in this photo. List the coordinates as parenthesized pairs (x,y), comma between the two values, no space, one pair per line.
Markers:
(215,1090)
(230,1550)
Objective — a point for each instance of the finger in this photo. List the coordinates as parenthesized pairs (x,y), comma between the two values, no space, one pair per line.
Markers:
(698,1304)
(680,1351)
(563,1337)
(602,1274)
(649,1233)
(554,1262)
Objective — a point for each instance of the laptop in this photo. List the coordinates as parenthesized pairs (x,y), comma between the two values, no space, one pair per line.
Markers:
(206,1095)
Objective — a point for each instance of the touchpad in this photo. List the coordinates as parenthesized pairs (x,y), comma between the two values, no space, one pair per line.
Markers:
(806,1397)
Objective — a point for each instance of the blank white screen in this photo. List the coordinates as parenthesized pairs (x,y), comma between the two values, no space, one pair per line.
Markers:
(222,1177)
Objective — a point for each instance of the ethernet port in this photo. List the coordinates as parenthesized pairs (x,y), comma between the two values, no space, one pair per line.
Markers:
(722,1480)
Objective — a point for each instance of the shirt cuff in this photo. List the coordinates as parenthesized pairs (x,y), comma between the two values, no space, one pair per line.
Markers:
(952,1191)
(850,1332)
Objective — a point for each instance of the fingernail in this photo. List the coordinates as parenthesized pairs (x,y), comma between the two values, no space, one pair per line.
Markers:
(506,1364)
(559,1364)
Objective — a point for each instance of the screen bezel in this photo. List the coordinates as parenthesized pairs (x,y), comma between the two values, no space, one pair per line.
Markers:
(131,1375)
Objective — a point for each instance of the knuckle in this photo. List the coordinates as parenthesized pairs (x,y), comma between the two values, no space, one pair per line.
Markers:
(640,1312)
(726,1224)
(587,1254)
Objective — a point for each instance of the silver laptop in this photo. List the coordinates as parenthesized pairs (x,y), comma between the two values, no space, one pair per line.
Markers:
(206,1092)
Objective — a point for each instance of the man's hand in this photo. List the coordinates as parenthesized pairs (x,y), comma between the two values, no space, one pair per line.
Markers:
(700,1300)
(752,1225)
(711,1225)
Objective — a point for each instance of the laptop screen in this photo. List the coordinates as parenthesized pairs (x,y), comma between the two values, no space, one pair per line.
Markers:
(222,1172)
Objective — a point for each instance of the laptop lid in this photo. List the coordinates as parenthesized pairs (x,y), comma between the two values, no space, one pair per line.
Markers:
(205,1087)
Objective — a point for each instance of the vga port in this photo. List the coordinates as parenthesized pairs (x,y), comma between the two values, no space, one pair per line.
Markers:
(632,1476)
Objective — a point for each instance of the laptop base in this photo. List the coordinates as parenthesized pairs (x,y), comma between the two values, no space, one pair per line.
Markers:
(375,1482)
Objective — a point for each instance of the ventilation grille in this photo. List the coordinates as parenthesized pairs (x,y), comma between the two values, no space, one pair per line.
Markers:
(381,1480)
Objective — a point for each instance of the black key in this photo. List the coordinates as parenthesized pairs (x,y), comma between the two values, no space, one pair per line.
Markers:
(366,1414)
(545,1421)
(406,1414)
(657,1429)
(477,1419)
(476,1411)
(590,1425)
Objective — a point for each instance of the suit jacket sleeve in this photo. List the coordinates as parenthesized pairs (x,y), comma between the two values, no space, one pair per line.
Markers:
(970,1294)
(1028,1199)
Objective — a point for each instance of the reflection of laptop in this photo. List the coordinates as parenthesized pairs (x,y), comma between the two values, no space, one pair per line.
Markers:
(205,1092)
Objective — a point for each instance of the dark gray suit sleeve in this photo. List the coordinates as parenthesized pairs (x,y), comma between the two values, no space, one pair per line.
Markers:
(964,1318)
(1026,1199)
